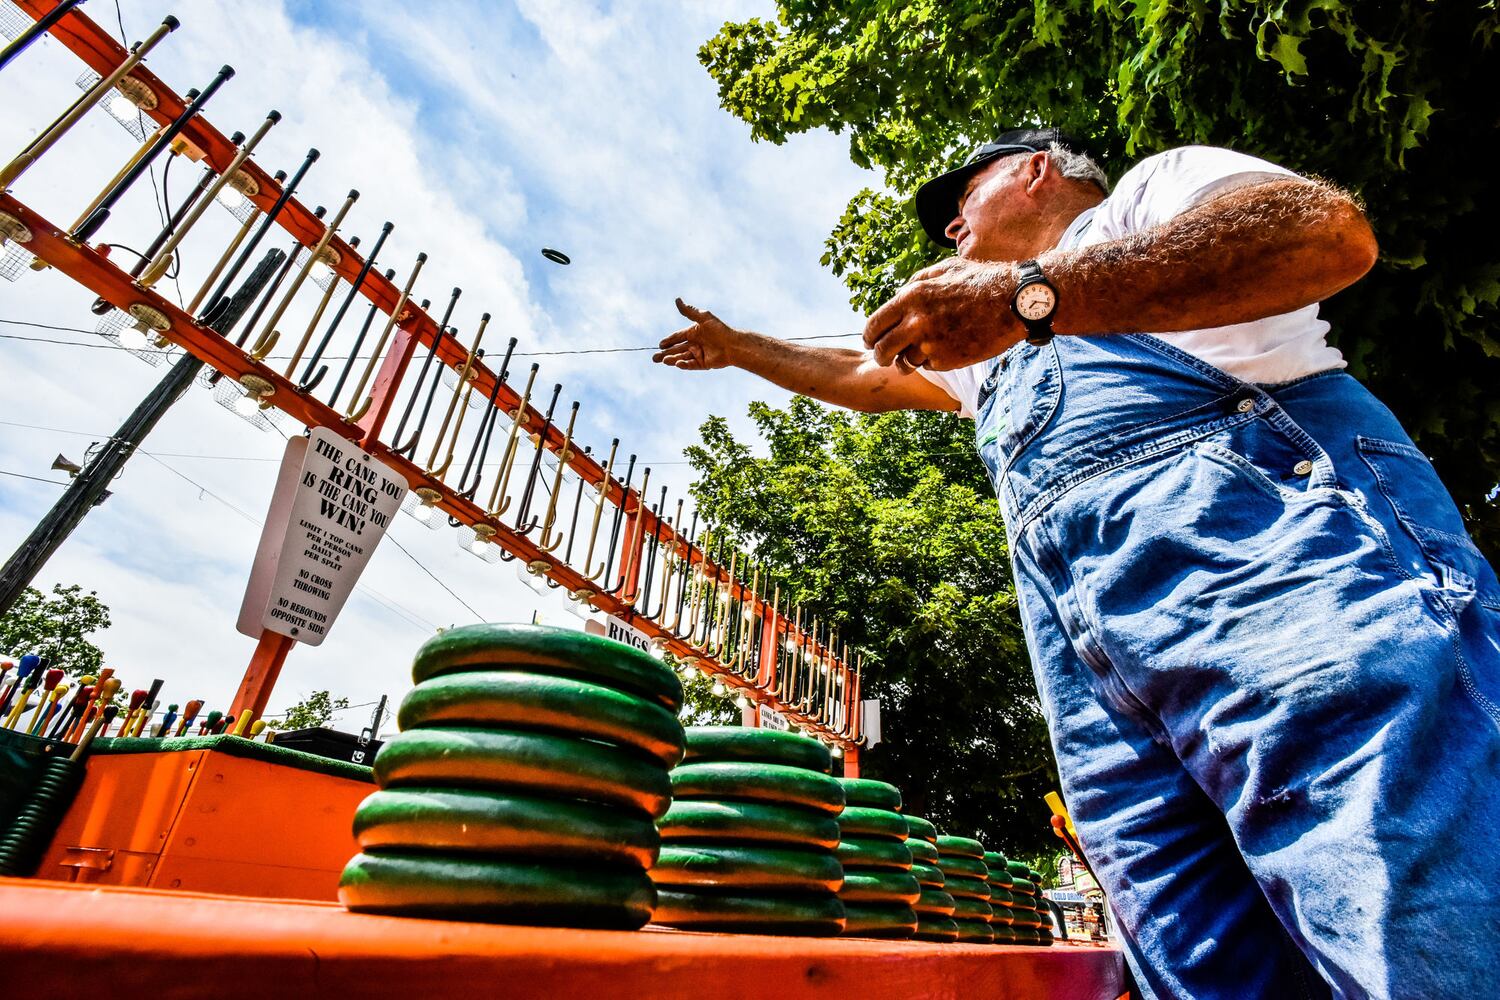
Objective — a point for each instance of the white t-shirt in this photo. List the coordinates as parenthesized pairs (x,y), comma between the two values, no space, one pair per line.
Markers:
(1160,187)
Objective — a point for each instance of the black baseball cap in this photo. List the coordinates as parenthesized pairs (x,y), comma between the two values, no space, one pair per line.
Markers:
(937,200)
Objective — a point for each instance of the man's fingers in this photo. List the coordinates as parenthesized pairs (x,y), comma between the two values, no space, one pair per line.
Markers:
(894,341)
(671,340)
(672,355)
(884,318)
(693,312)
(912,358)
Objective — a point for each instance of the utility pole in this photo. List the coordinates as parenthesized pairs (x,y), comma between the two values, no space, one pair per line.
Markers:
(89,486)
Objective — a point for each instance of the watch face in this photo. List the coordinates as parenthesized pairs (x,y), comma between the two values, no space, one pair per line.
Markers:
(1036,301)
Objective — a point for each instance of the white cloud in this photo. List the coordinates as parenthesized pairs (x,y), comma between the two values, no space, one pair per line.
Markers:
(484,134)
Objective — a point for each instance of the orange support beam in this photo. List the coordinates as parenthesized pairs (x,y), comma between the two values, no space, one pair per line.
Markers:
(260,676)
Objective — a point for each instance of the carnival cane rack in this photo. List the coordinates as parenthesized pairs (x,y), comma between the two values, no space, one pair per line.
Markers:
(686,590)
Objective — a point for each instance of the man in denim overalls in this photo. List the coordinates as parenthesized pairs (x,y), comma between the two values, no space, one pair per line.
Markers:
(1268,652)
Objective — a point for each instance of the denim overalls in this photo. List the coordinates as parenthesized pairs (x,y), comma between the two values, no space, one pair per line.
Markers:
(1269,657)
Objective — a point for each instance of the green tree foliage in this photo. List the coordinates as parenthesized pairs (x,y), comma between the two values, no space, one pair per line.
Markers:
(1394,100)
(315,710)
(57,627)
(701,707)
(886,527)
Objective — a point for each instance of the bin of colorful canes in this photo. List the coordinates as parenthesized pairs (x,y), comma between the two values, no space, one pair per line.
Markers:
(934,907)
(1043,909)
(1001,902)
(879,888)
(966,879)
(525,784)
(748,843)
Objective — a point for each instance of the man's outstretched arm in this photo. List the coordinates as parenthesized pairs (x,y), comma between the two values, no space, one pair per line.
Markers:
(1255,252)
(836,375)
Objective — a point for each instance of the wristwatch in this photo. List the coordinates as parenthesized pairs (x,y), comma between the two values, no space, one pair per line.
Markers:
(1034,302)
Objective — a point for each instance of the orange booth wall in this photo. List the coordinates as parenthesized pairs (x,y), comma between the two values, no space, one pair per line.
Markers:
(215,815)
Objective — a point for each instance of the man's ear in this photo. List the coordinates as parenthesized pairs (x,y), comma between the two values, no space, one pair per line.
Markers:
(1037,169)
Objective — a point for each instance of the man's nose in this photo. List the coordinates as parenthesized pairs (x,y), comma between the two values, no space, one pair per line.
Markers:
(953,228)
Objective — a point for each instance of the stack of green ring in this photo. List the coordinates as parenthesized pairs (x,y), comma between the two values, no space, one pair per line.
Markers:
(934,906)
(1001,900)
(525,784)
(1026,893)
(1043,909)
(966,879)
(748,843)
(879,887)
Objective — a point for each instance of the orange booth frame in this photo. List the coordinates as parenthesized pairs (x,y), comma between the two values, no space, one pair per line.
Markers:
(215,815)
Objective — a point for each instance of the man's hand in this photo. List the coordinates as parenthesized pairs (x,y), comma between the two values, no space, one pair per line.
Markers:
(836,375)
(952,314)
(699,347)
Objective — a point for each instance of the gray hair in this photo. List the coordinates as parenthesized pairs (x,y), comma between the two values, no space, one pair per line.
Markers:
(1077,166)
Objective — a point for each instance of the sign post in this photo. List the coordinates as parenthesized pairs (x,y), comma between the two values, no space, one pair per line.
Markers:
(331,507)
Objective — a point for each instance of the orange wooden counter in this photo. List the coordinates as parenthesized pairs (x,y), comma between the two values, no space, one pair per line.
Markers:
(76,940)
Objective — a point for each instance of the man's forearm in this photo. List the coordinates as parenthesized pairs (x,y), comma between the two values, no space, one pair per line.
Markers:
(1256,252)
(835,375)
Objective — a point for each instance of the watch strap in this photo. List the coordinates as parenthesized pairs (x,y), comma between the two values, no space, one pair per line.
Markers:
(1038,331)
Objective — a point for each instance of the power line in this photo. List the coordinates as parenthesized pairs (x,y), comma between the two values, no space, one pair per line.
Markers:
(477,616)
(330,357)
(202,489)
(489,465)
(38,479)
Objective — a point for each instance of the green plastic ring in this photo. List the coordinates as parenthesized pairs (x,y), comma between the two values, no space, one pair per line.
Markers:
(869,792)
(935,902)
(571,707)
(966,887)
(760,822)
(488,889)
(936,929)
(728,866)
(879,887)
(952,864)
(512,824)
(964,847)
(538,763)
(807,914)
(922,851)
(776,783)
(541,649)
(756,746)
(972,909)
(876,920)
(864,821)
(869,852)
(928,874)
(922,829)
(975,932)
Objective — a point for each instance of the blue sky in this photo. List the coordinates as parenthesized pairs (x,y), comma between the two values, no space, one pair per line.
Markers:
(485,131)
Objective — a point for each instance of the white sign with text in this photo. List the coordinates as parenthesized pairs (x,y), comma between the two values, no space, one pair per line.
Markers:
(772,719)
(620,631)
(332,506)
